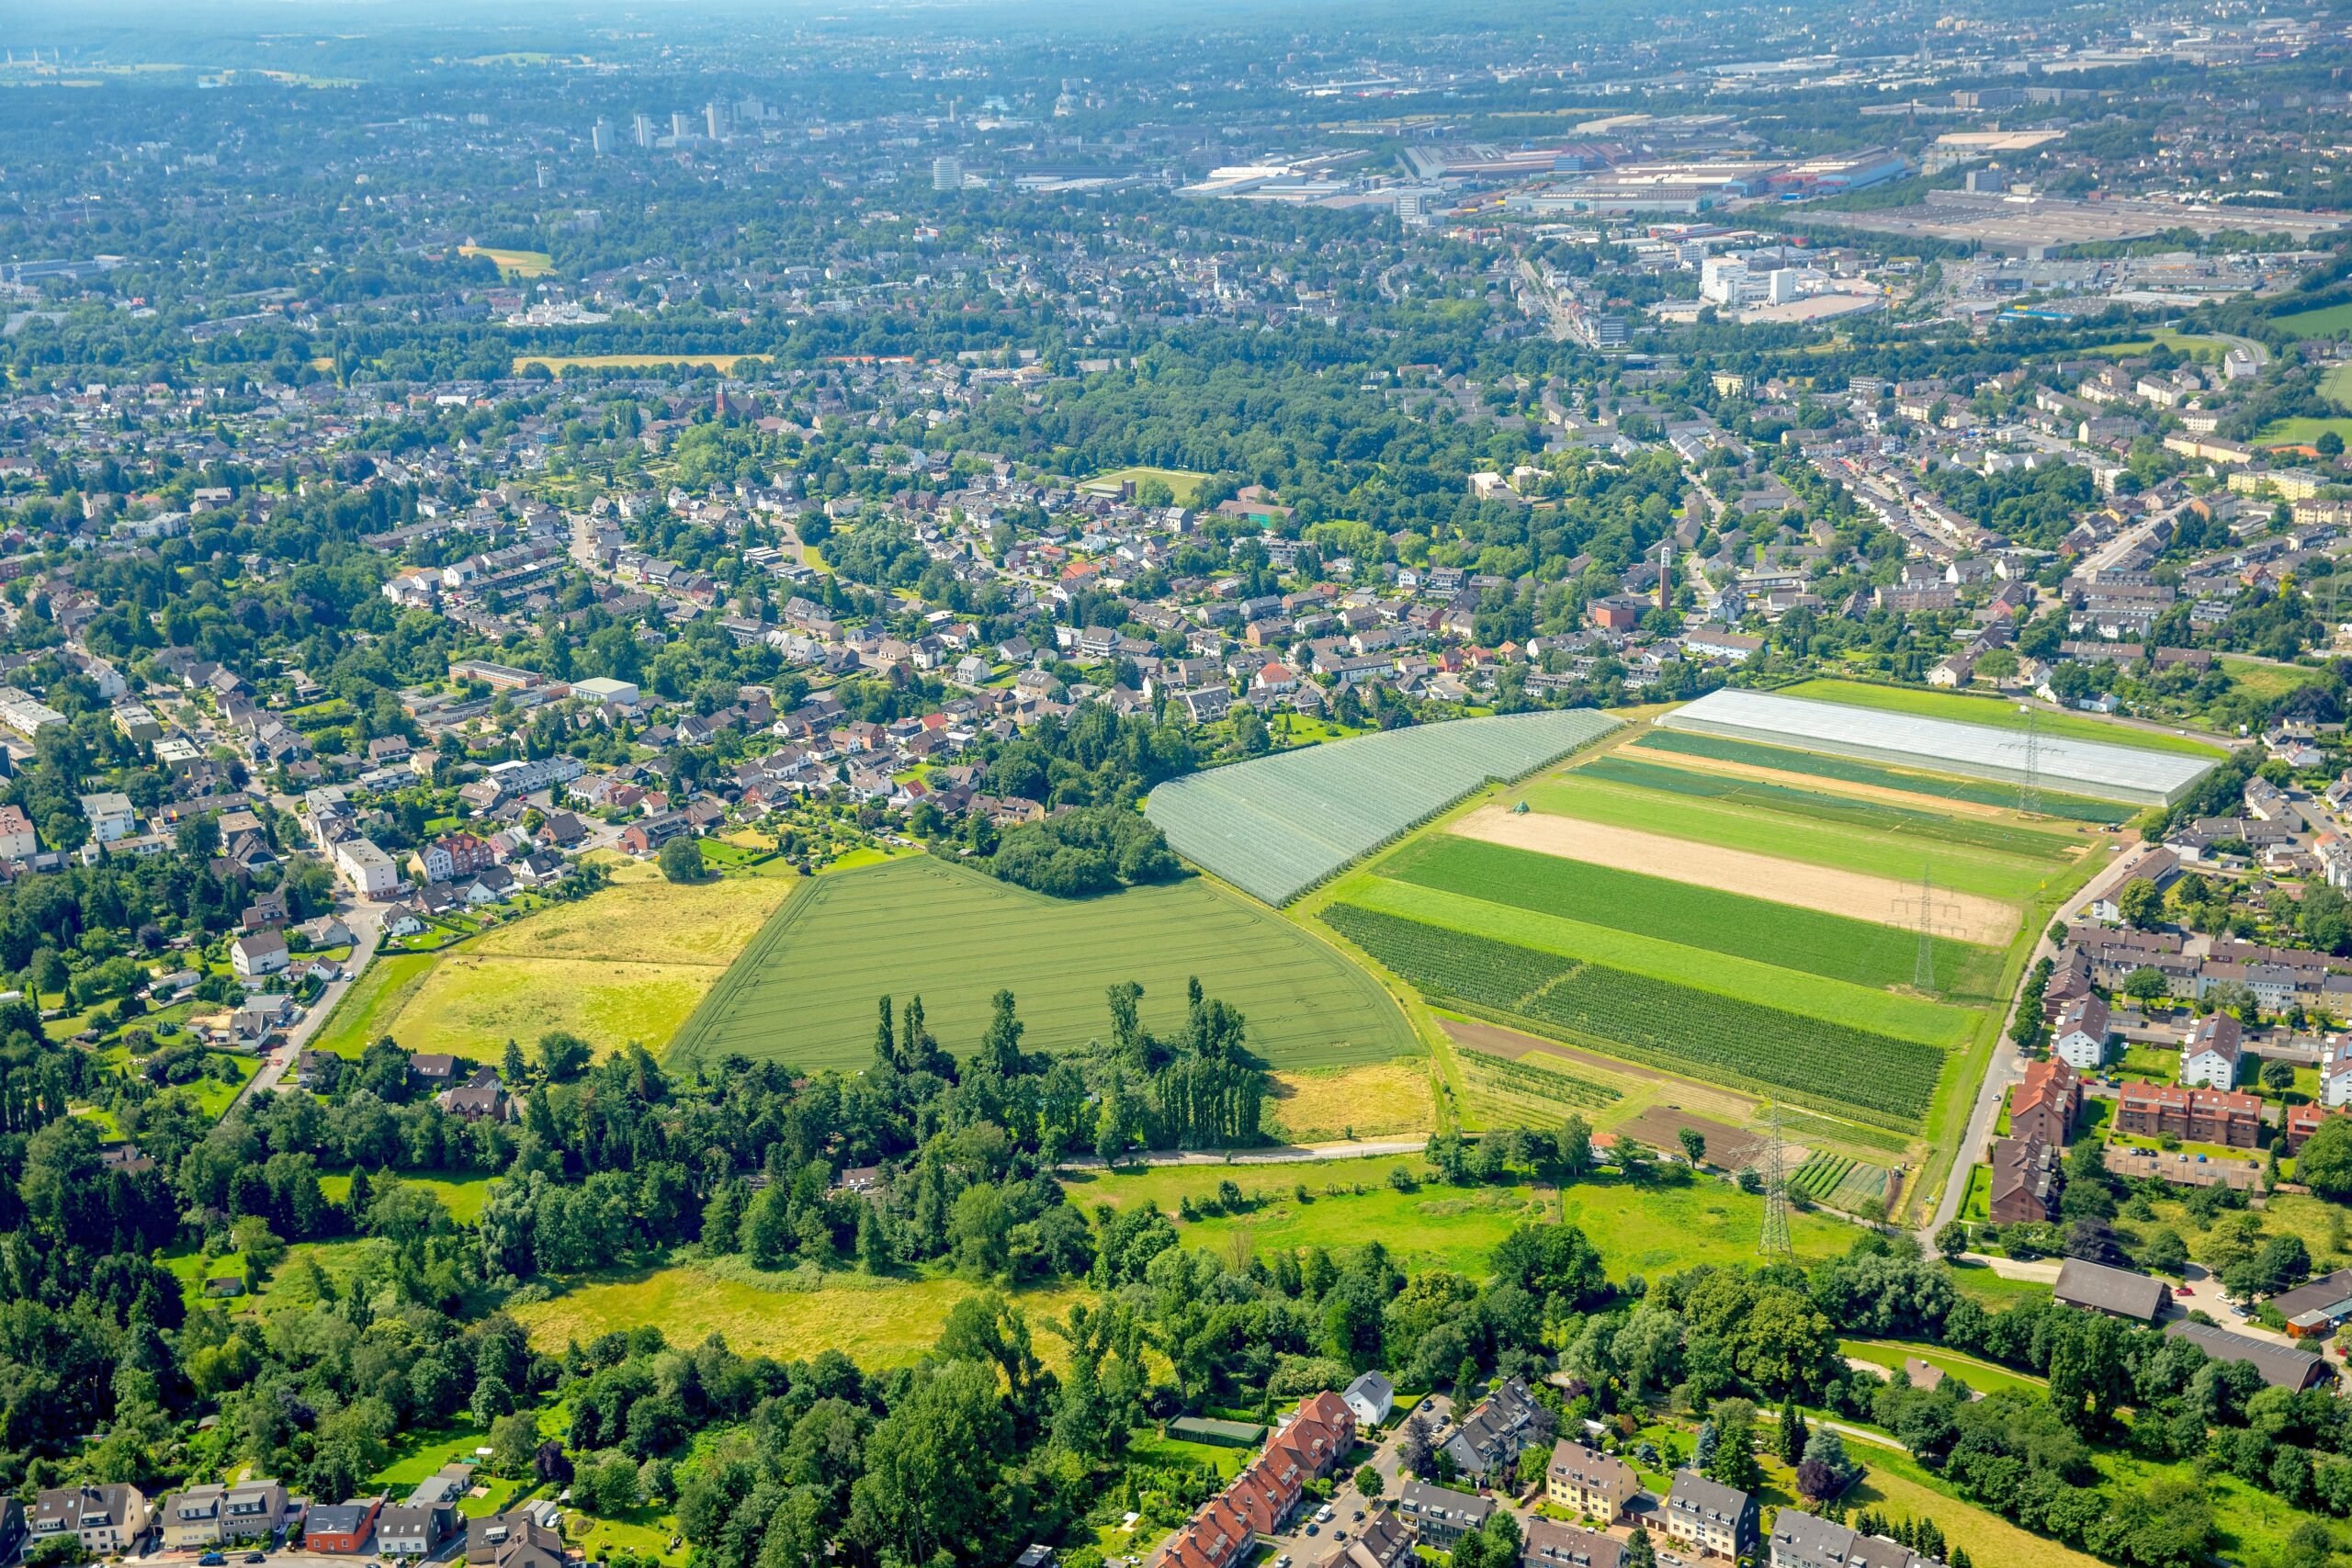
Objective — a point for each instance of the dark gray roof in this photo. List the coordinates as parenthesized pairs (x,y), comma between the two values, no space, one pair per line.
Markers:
(1553,1545)
(2280,1367)
(1692,1492)
(2118,1290)
(2330,1295)
(1421,1497)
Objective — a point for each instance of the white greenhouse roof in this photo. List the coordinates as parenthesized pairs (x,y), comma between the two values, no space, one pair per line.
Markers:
(1977,751)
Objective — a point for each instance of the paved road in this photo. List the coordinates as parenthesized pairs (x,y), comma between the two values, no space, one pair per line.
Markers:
(1287,1154)
(2007,1066)
(367,924)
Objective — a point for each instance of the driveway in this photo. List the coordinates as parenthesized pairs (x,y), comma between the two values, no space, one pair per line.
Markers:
(366,923)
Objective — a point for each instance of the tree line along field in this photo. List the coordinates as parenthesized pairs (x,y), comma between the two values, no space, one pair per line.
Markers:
(1875,775)
(1996,712)
(1875,1077)
(1859,953)
(804,991)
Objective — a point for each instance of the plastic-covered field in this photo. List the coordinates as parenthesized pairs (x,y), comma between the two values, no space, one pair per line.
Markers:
(1277,826)
(2076,767)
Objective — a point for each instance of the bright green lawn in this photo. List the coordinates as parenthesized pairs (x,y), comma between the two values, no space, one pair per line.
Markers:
(1996,712)
(2301,431)
(804,989)
(1792,990)
(2326,321)
(1182,483)
(1982,1376)
(462,1193)
(1982,871)
(2267,681)
(372,1002)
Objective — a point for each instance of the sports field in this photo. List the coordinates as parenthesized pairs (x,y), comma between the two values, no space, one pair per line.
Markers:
(1994,713)
(1859,952)
(805,990)
(513,264)
(628,965)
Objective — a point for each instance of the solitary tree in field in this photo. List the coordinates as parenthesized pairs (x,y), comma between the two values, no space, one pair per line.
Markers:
(681,860)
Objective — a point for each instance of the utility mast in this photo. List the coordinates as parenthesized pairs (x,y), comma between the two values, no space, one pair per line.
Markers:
(1773,1244)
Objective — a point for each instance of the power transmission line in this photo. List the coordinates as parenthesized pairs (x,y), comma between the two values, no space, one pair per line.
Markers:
(1773,1244)
(1926,912)
(2029,792)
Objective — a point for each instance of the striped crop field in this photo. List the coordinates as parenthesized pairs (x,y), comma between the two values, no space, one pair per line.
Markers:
(805,990)
(1876,775)
(1732,824)
(1859,952)
(1818,806)
(1875,1077)
(1277,826)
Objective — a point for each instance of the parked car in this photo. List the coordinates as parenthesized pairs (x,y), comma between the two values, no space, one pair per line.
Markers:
(256,1557)
(211,1560)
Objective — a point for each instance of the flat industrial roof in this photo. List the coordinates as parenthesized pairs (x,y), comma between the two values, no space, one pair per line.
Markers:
(1975,750)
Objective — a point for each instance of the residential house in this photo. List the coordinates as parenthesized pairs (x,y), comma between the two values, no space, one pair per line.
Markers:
(105,1519)
(18,840)
(525,1537)
(1488,1439)
(414,1528)
(2078,1034)
(2303,1120)
(2045,1103)
(109,814)
(2211,1054)
(1383,1543)
(1549,1544)
(1805,1540)
(2118,1293)
(341,1528)
(2196,1115)
(2025,1181)
(2316,1310)
(264,952)
(1591,1483)
(1713,1518)
(1371,1396)
(1441,1516)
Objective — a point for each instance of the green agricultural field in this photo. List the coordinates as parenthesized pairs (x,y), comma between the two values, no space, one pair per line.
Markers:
(804,989)
(1819,806)
(1988,872)
(1649,1230)
(1853,770)
(1877,1078)
(2326,321)
(1994,712)
(1742,979)
(2267,681)
(1859,953)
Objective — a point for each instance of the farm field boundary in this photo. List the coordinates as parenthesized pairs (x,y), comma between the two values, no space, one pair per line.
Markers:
(1994,713)
(1570,833)
(1859,953)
